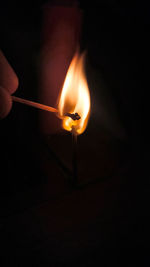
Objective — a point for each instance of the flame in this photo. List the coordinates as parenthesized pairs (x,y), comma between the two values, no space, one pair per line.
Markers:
(75,96)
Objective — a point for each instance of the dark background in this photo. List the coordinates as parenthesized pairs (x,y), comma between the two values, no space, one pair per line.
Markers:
(43,221)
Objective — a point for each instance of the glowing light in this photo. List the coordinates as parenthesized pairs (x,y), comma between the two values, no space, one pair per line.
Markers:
(75,96)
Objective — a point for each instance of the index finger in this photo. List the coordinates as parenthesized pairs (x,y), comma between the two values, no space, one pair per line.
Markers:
(8,78)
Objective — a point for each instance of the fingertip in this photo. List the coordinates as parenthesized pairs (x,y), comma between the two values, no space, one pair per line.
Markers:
(5,103)
(15,83)
(8,77)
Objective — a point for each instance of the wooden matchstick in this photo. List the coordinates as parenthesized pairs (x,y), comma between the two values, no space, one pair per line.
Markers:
(74,116)
(74,157)
(34,104)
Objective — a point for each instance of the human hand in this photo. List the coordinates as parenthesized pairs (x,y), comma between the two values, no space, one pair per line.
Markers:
(8,85)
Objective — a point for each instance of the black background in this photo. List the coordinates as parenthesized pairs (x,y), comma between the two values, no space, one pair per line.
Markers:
(116,38)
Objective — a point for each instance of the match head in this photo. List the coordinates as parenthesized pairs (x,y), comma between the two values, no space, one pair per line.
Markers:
(73,116)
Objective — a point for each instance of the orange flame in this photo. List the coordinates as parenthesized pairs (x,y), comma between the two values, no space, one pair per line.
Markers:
(75,96)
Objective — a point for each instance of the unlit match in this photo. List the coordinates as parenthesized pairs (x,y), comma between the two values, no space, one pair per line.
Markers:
(74,116)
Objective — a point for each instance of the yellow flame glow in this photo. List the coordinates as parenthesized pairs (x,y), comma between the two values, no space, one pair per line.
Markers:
(75,96)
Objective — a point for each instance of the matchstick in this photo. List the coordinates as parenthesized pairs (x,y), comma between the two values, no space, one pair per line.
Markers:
(74,116)
(74,157)
(34,104)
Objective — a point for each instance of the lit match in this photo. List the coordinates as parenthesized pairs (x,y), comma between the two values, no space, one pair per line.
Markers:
(73,116)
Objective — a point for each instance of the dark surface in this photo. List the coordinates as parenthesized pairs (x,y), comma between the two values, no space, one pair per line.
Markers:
(43,220)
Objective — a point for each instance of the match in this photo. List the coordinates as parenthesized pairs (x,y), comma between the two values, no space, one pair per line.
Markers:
(74,116)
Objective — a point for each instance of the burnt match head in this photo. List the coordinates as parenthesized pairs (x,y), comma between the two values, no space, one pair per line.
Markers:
(73,116)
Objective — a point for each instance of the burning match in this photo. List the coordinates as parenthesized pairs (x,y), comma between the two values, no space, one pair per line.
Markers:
(75,97)
(73,116)
(73,105)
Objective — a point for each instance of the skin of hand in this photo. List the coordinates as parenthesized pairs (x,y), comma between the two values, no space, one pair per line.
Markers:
(8,84)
